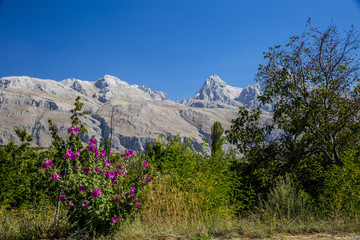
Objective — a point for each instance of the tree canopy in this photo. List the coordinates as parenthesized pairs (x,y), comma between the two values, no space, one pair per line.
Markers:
(313,83)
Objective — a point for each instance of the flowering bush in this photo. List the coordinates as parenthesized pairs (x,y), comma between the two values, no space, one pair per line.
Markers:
(97,191)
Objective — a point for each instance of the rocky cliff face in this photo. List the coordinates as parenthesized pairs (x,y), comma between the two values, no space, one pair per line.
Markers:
(140,114)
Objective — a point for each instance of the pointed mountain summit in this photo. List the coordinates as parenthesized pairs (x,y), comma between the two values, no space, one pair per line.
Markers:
(215,93)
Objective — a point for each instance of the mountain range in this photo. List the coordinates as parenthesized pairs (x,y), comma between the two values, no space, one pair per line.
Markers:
(140,114)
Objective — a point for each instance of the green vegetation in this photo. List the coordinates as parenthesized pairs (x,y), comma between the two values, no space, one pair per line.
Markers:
(304,182)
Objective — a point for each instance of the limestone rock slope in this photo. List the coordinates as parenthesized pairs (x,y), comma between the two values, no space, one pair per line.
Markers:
(140,114)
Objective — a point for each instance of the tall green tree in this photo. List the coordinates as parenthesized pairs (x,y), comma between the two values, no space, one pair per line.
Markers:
(216,137)
(313,83)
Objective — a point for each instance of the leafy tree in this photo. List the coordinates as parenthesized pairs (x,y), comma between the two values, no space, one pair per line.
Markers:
(313,83)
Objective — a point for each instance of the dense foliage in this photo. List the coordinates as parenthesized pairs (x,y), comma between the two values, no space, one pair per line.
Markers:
(313,84)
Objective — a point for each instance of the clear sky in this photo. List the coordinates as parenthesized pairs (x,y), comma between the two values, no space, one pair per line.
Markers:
(167,45)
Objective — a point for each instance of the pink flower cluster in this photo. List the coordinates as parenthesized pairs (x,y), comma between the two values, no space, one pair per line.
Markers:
(136,203)
(48,164)
(98,170)
(110,174)
(73,130)
(96,193)
(132,191)
(129,153)
(55,176)
(71,155)
(62,197)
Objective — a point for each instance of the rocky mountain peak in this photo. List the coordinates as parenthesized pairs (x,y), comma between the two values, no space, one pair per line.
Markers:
(108,80)
(214,81)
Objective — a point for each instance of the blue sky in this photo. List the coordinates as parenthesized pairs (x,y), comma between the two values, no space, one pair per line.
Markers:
(167,45)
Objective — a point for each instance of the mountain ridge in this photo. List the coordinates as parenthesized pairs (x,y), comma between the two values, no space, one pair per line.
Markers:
(141,114)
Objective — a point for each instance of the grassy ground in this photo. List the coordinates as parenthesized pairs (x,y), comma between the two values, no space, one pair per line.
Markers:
(40,225)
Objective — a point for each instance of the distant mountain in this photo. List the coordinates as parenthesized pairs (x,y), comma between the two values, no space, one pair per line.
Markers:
(215,93)
(141,114)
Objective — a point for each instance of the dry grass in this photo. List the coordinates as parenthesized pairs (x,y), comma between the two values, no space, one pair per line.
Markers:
(24,224)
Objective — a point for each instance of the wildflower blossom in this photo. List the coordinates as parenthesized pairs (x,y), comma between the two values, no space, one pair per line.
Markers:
(107,162)
(119,167)
(81,189)
(135,202)
(86,170)
(75,130)
(114,219)
(91,148)
(146,163)
(85,204)
(96,193)
(62,197)
(117,199)
(55,176)
(103,152)
(114,181)
(48,164)
(112,174)
(92,141)
(125,172)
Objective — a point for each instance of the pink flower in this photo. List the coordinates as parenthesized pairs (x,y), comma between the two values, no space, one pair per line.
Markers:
(45,165)
(67,185)
(73,130)
(81,189)
(117,199)
(119,167)
(125,172)
(85,204)
(107,162)
(148,179)
(96,193)
(62,197)
(92,141)
(114,219)
(73,155)
(112,174)
(154,179)
(133,189)
(91,148)
(135,202)
(69,203)
(119,173)
(55,176)
(103,152)
(146,163)
(107,174)
(86,170)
